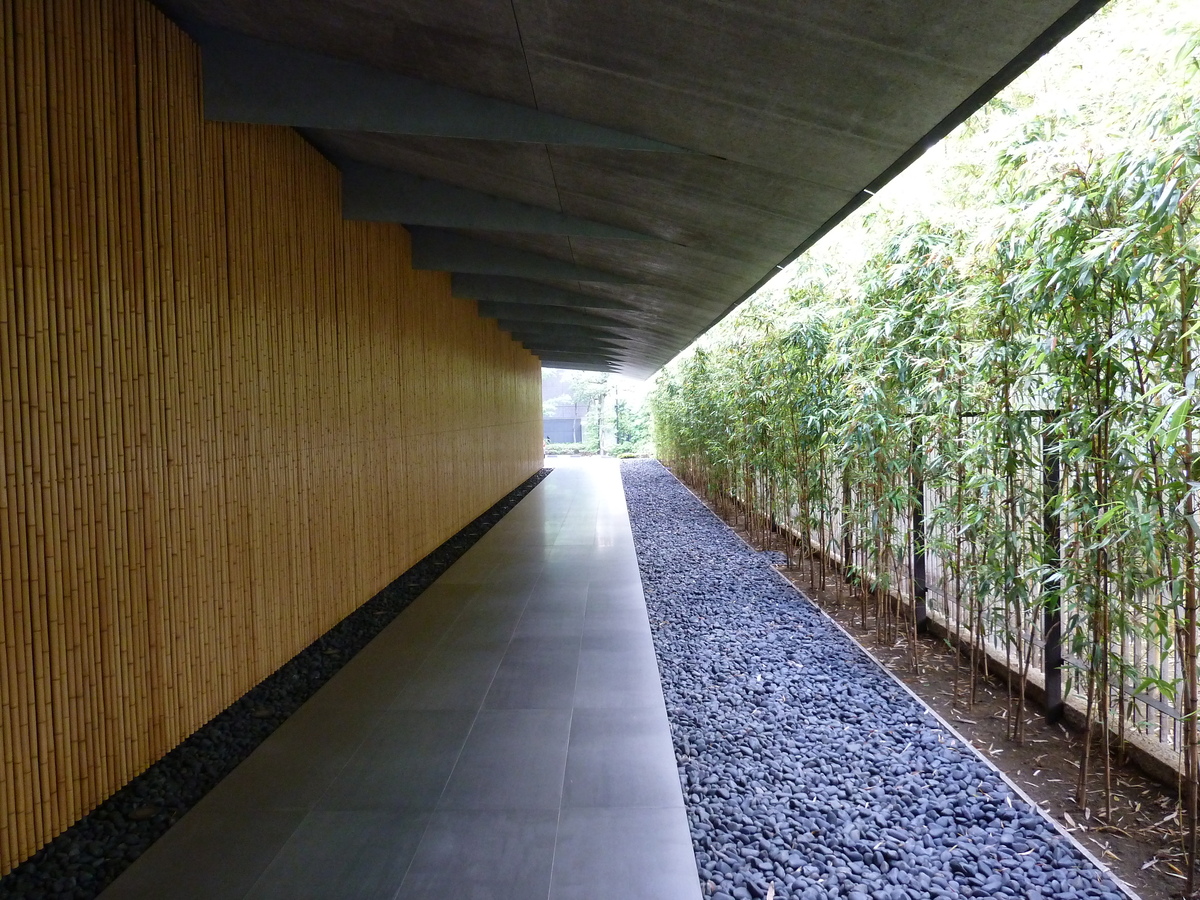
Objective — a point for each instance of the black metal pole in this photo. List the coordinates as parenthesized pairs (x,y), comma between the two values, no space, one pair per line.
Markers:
(919,550)
(847,561)
(1052,571)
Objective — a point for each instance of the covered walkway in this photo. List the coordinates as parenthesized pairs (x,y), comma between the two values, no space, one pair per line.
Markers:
(505,737)
(280,280)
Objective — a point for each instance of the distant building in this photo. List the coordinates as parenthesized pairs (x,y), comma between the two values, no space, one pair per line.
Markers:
(562,419)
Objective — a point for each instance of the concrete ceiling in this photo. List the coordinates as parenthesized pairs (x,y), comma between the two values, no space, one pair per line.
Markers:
(611,178)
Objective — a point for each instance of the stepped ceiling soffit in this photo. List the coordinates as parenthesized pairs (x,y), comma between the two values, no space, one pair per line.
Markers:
(609,179)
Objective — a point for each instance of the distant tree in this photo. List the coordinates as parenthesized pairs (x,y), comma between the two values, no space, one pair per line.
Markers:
(551,407)
(631,423)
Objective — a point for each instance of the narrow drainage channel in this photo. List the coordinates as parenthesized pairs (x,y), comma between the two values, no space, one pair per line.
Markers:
(807,770)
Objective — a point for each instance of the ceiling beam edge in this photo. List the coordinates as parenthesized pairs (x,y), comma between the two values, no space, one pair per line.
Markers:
(374,194)
(266,83)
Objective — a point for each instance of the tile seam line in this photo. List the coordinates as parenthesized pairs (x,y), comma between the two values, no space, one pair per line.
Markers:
(379,715)
(427,812)
(562,785)
(1012,785)
(562,790)
(274,856)
(340,769)
(429,655)
(313,806)
(436,806)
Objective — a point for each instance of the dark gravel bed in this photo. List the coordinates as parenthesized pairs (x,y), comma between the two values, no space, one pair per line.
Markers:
(88,856)
(806,769)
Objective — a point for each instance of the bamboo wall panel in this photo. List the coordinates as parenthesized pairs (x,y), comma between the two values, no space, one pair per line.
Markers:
(228,418)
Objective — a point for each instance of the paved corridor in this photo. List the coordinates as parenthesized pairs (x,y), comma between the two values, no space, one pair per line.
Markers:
(504,738)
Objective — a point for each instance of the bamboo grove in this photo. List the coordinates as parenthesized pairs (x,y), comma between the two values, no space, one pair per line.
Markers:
(996,426)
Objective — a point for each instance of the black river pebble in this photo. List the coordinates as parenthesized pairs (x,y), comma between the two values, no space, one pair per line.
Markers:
(803,765)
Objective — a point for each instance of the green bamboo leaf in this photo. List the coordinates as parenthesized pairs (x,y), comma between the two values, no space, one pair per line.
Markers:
(1180,410)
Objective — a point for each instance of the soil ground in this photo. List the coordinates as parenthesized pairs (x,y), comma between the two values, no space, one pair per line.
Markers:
(1139,841)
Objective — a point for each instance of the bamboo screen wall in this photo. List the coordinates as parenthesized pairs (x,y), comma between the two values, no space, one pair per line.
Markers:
(228,419)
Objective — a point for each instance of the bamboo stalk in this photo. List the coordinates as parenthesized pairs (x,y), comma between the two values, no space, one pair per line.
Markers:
(14,704)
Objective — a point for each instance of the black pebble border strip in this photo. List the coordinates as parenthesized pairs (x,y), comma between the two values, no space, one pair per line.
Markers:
(806,768)
(87,857)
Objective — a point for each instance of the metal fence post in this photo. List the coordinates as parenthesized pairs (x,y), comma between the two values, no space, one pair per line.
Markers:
(919,552)
(1052,570)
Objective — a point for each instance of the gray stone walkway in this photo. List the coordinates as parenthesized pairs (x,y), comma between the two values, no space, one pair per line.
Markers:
(504,738)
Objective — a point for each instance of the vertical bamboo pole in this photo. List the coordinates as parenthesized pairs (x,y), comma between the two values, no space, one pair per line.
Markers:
(14,704)
(33,357)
